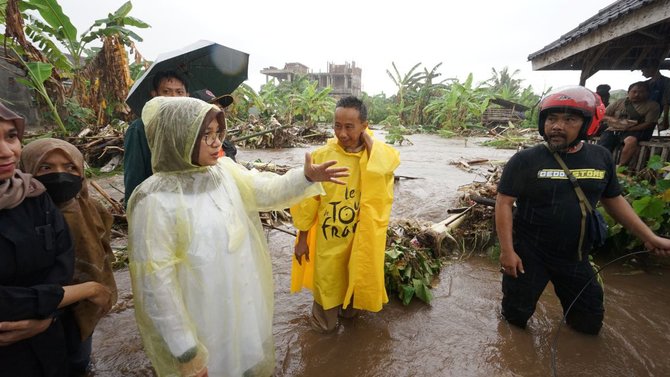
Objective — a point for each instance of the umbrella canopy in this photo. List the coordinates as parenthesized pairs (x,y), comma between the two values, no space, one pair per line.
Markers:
(205,64)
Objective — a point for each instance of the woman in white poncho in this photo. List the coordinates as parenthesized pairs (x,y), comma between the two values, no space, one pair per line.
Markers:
(199,262)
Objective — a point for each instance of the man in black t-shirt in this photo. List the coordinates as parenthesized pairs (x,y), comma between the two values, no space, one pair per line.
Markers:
(540,242)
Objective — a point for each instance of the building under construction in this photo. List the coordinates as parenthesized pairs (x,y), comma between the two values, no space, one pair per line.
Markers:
(345,79)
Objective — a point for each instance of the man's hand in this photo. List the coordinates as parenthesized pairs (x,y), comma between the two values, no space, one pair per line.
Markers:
(301,248)
(324,172)
(12,332)
(511,264)
(620,124)
(658,245)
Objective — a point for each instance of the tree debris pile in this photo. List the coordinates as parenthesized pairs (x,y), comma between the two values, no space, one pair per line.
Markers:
(256,134)
(102,149)
(512,137)
(478,227)
(412,261)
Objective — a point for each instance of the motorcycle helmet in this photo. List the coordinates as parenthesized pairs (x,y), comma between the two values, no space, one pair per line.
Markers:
(573,99)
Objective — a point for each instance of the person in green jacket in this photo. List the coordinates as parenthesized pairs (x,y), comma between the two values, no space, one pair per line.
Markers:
(137,157)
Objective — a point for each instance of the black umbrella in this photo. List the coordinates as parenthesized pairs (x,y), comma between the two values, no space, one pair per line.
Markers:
(205,64)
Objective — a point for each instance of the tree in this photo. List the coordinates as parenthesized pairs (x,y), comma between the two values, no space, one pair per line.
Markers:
(459,107)
(503,80)
(313,105)
(109,70)
(406,84)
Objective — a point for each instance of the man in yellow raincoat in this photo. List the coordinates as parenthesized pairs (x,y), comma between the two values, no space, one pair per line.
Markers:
(339,252)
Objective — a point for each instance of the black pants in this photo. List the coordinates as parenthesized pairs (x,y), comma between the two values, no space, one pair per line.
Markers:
(520,295)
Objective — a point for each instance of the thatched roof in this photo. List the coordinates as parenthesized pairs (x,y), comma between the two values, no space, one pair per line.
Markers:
(623,36)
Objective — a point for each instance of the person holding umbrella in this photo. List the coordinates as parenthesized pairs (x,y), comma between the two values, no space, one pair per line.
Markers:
(137,156)
(200,65)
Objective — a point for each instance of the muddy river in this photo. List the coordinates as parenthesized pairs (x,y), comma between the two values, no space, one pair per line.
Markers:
(461,333)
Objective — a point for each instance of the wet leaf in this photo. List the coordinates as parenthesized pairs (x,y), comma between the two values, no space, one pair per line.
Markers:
(422,291)
(649,207)
(406,294)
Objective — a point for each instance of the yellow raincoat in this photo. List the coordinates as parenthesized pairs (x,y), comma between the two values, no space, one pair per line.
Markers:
(199,262)
(347,230)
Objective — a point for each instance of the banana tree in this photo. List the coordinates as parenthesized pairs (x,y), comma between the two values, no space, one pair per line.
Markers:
(313,105)
(459,107)
(48,27)
(406,84)
(38,73)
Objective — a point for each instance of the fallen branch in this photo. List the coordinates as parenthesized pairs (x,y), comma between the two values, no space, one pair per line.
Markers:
(118,208)
(279,229)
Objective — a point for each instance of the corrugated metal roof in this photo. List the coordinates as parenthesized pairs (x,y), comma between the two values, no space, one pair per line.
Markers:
(603,17)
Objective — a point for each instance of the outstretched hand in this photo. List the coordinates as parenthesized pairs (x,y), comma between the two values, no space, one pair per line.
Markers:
(324,172)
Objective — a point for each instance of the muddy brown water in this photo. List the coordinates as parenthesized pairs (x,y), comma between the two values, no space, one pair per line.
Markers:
(461,332)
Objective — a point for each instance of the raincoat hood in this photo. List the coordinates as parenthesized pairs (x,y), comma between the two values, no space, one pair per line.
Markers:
(172,126)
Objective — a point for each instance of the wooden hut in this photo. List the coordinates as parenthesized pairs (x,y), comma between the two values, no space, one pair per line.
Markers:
(501,111)
(625,36)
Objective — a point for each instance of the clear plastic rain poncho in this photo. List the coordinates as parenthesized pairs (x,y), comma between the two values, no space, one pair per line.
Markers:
(199,262)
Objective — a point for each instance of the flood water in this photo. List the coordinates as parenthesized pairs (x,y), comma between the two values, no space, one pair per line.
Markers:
(461,333)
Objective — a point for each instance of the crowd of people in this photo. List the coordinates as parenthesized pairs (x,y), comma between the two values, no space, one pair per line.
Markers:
(199,262)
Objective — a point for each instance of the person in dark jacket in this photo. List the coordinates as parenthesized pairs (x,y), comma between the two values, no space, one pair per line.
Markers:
(36,266)
(136,155)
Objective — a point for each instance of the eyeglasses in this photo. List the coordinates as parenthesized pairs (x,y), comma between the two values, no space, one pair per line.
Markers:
(212,137)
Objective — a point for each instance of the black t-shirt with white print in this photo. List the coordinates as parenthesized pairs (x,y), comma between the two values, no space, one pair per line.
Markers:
(548,216)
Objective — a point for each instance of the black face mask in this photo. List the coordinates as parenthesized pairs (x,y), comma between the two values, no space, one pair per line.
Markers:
(61,186)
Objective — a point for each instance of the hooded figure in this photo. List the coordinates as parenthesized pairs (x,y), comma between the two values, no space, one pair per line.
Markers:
(89,222)
(199,261)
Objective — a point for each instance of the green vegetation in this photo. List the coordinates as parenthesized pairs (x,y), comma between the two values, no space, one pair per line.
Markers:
(409,266)
(409,272)
(648,192)
(447,107)
(79,77)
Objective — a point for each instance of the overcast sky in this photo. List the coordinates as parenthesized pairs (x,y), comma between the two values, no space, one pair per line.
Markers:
(465,36)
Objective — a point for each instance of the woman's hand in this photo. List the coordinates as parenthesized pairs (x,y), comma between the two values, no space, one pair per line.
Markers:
(195,367)
(324,172)
(101,296)
(12,332)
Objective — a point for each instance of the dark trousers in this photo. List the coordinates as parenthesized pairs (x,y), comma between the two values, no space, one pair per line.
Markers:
(78,351)
(520,295)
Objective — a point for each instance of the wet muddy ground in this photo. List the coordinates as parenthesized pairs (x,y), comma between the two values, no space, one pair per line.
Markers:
(461,333)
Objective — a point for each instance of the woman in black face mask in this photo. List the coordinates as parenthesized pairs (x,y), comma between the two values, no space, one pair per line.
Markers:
(59,166)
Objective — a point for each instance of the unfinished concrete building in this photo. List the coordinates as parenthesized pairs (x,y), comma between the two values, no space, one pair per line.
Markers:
(345,79)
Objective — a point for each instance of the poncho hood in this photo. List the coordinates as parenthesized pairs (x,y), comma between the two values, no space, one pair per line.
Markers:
(172,126)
